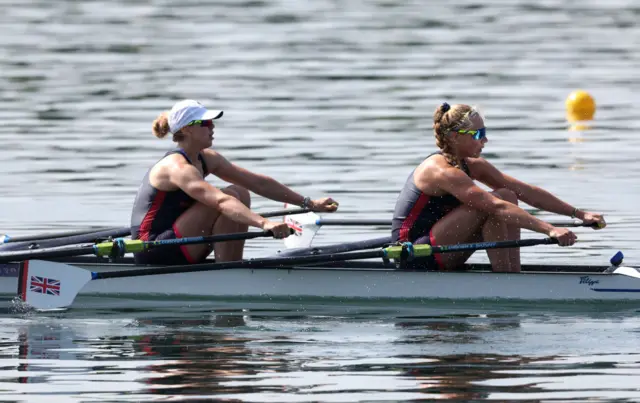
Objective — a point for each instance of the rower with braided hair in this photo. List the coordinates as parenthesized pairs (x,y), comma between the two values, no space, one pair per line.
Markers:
(440,204)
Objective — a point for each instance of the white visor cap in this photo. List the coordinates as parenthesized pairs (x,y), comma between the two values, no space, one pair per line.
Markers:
(185,112)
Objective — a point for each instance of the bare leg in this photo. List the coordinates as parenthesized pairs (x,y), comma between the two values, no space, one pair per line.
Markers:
(513,232)
(465,224)
(496,230)
(461,225)
(229,251)
(502,260)
(201,220)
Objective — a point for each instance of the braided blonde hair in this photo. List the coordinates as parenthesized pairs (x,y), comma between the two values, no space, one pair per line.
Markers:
(446,119)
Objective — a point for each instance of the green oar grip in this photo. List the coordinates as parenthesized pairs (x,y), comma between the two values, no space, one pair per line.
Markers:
(134,246)
(395,252)
(106,248)
(102,249)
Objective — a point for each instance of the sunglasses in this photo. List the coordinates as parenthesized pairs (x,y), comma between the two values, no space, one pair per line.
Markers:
(203,123)
(477,134)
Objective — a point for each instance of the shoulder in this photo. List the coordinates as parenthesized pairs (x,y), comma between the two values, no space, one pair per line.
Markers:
(173,161)
(213,159)
(480,167)
(434,161)
(171,165)
(434,165)
(164,173)
(477,163)
(434,173)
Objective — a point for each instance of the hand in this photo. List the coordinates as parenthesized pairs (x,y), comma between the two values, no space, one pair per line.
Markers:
(564,236)
(279,230)
(595,220)
(326,204)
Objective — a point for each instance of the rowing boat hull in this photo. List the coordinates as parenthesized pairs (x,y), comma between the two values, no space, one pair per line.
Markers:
(348,283)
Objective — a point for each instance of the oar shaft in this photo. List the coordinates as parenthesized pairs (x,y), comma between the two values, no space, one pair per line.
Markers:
(61,251)
(54,235)
(209,239)
(95,236)
(280,213)
(392,252)
(120,248)
(104,232)
(381,223)
(493,245)
(243,264)
(352,222)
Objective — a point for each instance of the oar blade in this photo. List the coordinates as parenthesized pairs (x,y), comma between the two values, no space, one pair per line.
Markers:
(627,271)
(50,285)
(305,228)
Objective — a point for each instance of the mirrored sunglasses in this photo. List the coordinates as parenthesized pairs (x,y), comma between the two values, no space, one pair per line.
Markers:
(478,134)
(203,123)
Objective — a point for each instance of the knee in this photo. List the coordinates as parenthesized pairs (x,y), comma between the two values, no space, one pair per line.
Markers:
(239,193)
(506,195)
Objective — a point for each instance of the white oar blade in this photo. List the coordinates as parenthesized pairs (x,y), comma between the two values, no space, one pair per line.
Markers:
(305,228)
(50,285)
(627,271)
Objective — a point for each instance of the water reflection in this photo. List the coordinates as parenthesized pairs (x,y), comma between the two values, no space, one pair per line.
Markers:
(187,361)
(276,355)
(454,329)
(200,362)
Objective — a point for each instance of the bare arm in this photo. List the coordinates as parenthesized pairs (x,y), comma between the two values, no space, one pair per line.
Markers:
(262,185)
(457,183)
(189,179)
(533,195)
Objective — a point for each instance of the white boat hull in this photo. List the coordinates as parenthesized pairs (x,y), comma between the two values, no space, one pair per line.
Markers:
(343,283)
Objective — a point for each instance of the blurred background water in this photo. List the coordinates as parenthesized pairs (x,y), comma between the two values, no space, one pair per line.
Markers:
(332,98)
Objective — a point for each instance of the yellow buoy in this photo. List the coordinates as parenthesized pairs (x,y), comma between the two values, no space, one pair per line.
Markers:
(580,106)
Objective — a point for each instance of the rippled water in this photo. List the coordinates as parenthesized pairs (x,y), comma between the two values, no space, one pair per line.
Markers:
(325,353)
(330,97)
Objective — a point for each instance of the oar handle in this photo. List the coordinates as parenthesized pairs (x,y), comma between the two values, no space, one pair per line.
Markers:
(352,222)
(280,213)
(569,224)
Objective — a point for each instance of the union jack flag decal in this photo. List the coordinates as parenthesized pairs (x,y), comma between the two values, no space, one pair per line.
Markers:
(293,224)
(43,285)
